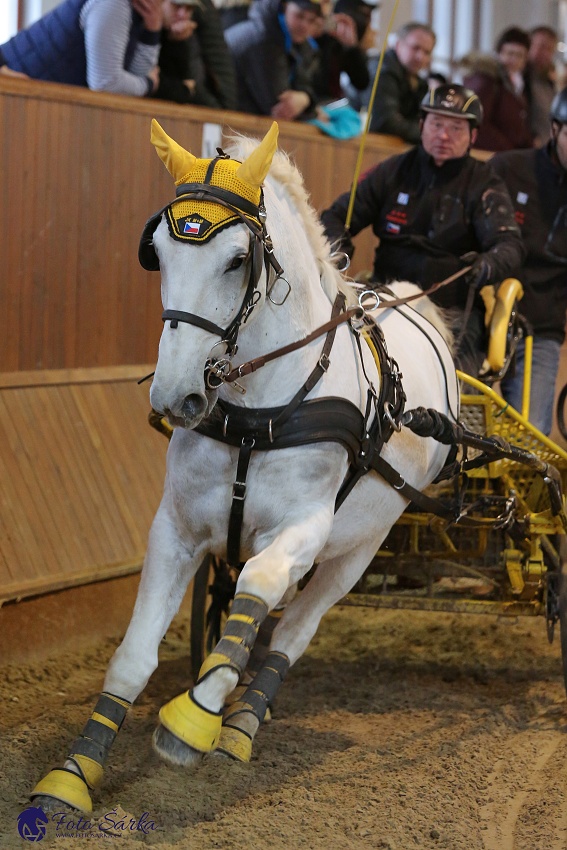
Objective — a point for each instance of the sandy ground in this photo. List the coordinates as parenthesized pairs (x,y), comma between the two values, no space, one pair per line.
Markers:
(398,730)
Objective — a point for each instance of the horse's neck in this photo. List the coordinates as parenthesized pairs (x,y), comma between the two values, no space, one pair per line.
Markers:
(274,327)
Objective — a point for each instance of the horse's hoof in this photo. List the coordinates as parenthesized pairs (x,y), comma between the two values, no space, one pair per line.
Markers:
(52,804)
(173,750)
(194,725)
(62,787)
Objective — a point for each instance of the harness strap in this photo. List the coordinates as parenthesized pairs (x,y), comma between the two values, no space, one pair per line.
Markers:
(237,505)
(318,371)
(176,316)
(424,502)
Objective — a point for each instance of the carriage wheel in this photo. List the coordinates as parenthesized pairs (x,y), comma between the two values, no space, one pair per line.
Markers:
(561,412)
(213,590)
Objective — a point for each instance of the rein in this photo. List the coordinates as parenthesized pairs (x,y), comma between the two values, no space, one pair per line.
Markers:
(257,362)
(399,302)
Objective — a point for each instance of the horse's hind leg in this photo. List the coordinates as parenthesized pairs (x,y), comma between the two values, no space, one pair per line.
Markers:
(300,620)
(165,576)
(242,718)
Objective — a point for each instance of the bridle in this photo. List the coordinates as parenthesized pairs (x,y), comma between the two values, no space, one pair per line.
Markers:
(261,257)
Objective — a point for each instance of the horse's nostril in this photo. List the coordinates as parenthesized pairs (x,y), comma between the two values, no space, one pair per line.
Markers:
(194,405)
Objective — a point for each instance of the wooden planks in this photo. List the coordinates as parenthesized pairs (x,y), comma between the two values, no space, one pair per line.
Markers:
(79,178)
(81,476)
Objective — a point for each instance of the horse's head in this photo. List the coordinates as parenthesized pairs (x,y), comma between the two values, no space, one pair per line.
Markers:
(210,245)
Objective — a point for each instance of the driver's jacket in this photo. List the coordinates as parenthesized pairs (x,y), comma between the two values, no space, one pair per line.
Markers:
(538,188)
(426,217)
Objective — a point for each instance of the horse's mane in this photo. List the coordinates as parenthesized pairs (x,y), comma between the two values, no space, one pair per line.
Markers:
(283,173)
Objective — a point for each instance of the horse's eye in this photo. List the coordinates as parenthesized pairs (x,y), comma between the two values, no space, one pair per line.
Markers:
(235,264)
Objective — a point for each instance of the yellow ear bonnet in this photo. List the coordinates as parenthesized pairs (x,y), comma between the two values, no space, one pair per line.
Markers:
(198,220)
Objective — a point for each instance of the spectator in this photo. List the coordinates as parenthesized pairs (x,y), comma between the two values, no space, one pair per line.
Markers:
(537,181)
(539,78)
(342,49)
(274,54)
(107,45)
(195,65)
(400,88)
(499,83)
(435,210)
(435,79)
(232,12)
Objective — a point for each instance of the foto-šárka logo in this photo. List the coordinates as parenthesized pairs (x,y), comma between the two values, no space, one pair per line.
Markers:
(33,823)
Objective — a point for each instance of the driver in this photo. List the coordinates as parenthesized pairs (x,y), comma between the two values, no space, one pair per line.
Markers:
(435,209)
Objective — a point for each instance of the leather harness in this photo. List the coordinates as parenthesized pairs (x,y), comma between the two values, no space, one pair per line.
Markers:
(301,421)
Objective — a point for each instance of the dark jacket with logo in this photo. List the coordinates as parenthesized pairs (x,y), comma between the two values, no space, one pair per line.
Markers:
(265,60)
(53,48)
(538,188)
(397,103)
(426,217)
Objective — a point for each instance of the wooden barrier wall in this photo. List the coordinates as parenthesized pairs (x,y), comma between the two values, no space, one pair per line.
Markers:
(79,179)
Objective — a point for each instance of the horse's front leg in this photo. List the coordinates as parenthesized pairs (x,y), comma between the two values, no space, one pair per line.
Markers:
(191,723)
(167,569)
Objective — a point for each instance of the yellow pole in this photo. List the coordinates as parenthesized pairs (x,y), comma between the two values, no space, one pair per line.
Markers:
(527,377)
(358,166)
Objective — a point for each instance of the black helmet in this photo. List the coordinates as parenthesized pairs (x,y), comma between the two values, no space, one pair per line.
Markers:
(559,107)
(455,101)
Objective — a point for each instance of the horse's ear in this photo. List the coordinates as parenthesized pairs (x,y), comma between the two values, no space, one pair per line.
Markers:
(176,159)
(254,169)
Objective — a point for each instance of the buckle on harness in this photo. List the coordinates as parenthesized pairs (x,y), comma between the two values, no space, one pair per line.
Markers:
(324,362)
(239,490)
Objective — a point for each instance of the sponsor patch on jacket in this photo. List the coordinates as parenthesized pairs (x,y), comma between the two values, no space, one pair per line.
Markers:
(403,198)
(391,227)
(522,198)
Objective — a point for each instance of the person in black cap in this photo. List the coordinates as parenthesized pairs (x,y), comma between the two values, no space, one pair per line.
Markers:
(436,210)
(274,53)
(537,182)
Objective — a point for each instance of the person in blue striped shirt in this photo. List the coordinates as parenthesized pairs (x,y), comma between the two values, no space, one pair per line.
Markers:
(107,45)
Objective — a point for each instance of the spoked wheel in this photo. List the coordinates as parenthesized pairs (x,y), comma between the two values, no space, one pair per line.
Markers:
(561,424)
(213,590)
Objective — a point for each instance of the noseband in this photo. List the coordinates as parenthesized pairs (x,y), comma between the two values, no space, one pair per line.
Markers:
(261,256)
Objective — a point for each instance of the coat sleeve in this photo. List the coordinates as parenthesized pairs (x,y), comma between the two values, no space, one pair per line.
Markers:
(219,67)
(356,66)
(367,205)
(497,232)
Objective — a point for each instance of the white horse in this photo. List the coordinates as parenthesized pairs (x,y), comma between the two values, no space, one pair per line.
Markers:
(220,280)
